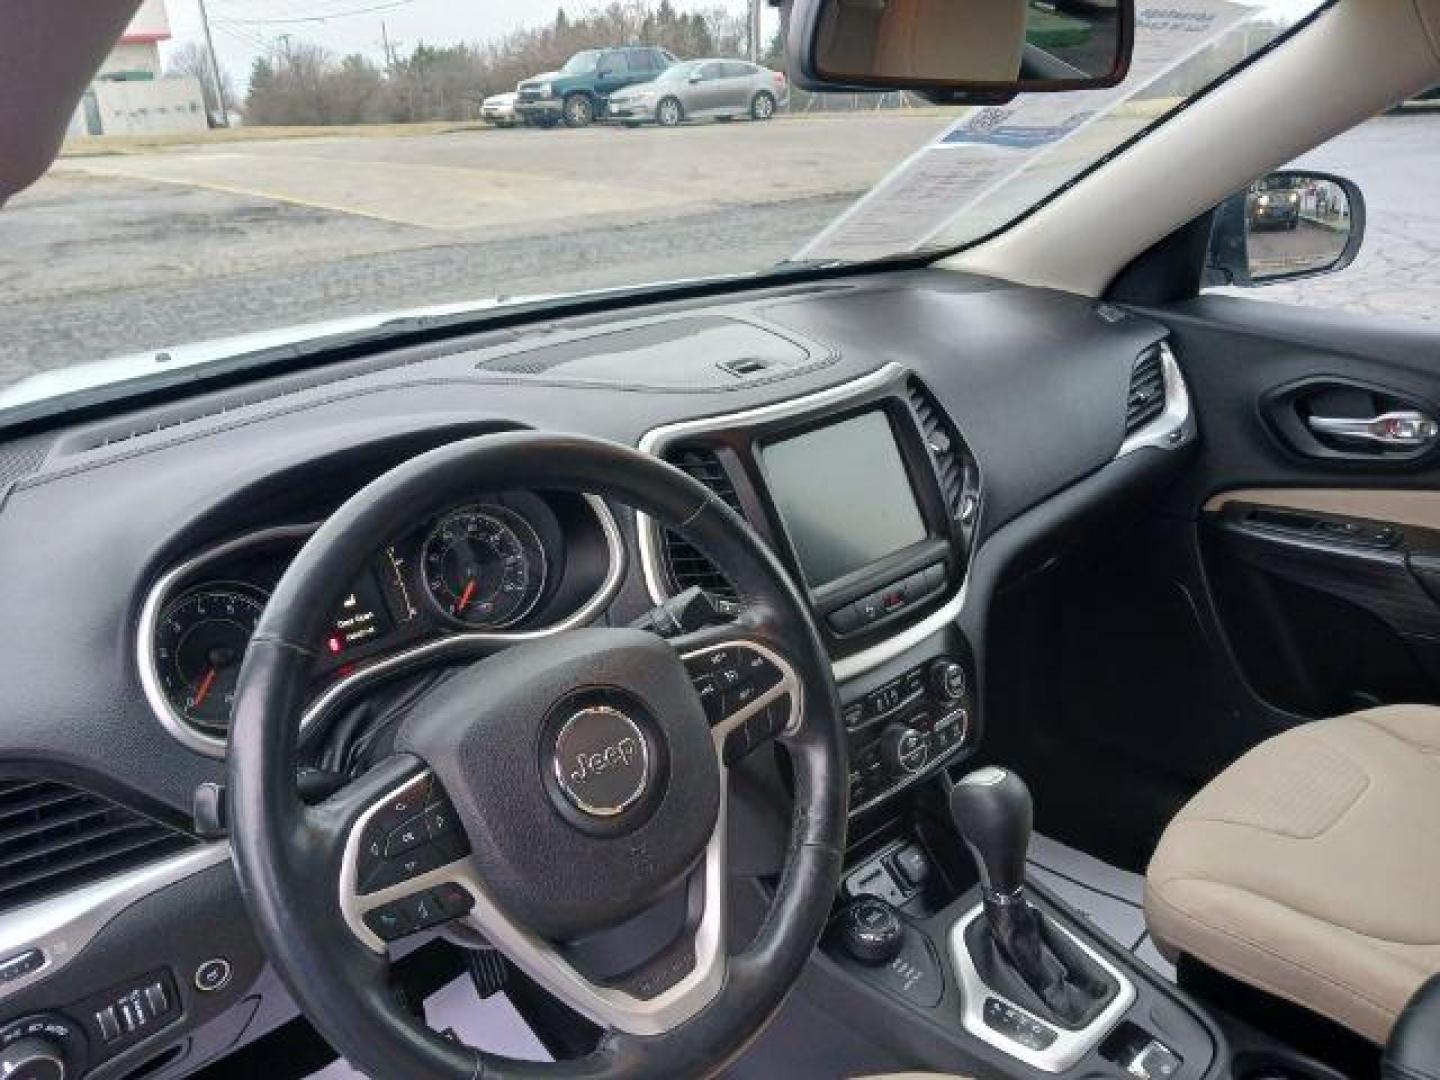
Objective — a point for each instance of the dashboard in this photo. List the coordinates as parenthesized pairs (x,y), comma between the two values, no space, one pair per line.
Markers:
(905,444)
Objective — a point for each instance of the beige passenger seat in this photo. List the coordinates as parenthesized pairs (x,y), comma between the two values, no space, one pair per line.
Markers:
(1310,868)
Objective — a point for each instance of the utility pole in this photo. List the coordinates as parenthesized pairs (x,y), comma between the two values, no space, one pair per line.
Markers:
(214,67)
(756,7)
(385,44)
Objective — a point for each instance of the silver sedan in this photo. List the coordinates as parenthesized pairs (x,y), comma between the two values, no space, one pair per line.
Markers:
(692,89)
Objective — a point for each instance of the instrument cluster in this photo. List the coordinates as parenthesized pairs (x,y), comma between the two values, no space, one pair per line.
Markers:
(501,564)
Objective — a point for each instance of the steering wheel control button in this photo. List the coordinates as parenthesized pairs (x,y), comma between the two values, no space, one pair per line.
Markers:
(389,922)
(419,911)
(454,900)
(407,837)
(393,851)
(402,806)
(602,761)
(212,975)
(731,679)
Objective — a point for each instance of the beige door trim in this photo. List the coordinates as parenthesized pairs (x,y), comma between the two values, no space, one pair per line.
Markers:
(1417,508)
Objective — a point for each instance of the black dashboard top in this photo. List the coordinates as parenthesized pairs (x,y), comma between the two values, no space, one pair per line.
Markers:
(92,516)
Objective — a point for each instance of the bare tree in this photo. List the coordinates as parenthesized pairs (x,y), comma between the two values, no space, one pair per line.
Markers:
(192,58)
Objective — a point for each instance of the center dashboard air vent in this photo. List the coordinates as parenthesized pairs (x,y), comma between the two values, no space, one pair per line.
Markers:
(954,466)
(685,565)
(55,838)
(1146,399)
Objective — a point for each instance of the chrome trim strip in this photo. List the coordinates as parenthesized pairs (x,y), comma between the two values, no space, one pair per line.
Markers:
(1174,426)
(610,1007)
(1069,1046)
(63,925)
(212,746)
(655,440)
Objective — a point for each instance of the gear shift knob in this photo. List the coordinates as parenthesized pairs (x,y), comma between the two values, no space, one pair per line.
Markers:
(993,814)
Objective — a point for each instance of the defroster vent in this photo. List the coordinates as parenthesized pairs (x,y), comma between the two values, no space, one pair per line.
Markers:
(686,565)
(54,838)
(1147,391)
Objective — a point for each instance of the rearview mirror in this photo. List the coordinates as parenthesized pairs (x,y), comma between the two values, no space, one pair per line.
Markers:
(959,50)
(1287,225)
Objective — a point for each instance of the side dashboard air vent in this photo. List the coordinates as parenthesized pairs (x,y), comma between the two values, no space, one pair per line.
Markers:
(54,838)
(954,467)
(684,563)
(1146,400)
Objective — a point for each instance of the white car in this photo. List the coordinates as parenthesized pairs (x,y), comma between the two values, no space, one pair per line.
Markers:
(498,110)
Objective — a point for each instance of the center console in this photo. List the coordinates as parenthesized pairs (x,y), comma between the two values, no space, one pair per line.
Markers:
(872,498)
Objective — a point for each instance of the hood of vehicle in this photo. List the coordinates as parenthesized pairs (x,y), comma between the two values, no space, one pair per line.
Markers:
(507,98)
(544,76)
(635,90)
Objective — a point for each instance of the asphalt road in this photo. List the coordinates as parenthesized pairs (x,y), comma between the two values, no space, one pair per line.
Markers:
(119,253)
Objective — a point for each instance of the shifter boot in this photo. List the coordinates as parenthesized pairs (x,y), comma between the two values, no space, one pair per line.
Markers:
(1034,964)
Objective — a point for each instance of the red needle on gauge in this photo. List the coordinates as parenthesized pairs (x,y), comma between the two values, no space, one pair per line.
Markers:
(203,690)
(465,597)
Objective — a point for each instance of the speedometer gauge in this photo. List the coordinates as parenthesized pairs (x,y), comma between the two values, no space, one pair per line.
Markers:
(484,566)
(199,642)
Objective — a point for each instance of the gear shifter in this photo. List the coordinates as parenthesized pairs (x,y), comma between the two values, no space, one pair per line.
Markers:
(1019,952)
(992,812)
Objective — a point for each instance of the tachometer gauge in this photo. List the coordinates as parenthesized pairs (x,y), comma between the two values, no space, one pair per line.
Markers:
(199,643)
(483,566)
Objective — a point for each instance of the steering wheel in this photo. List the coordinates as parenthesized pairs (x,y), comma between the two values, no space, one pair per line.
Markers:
(558,788)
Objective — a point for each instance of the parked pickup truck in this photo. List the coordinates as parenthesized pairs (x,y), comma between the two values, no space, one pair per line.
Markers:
(579,91)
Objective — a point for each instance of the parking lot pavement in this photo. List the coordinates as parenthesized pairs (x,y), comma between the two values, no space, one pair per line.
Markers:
(118,253)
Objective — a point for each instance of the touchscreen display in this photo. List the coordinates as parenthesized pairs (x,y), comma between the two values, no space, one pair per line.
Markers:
(844,496)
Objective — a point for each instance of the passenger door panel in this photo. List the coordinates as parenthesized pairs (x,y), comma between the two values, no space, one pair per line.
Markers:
(1318,554)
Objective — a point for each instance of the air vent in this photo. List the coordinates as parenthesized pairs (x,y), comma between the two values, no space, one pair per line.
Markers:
(946,449)
(686,565)
(54,838)
(1147,391)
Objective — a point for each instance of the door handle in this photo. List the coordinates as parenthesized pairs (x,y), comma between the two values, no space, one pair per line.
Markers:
(1405,429)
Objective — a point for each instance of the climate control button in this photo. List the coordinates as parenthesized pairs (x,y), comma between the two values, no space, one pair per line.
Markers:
(904,750)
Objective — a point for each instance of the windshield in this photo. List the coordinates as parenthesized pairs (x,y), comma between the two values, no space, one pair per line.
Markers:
(581,63)
(341,171)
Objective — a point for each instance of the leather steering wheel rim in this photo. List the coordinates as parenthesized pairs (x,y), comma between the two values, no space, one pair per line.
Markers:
(285,852)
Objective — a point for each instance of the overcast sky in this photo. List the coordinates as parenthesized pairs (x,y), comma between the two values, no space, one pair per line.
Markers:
(244,29)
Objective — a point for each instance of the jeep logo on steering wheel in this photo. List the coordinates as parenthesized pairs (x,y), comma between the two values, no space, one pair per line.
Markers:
(602,761)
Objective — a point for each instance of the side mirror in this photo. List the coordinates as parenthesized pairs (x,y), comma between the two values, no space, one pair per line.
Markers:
(697,77)
(1288,225)
(958,50)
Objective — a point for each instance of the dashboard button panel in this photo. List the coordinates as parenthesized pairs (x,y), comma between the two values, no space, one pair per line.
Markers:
(906,728)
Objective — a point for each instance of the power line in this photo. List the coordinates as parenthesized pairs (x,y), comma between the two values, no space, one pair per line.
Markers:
(319,18)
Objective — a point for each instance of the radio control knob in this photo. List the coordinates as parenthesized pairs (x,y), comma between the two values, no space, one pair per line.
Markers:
(32,1058)
(947,680)
(904,750)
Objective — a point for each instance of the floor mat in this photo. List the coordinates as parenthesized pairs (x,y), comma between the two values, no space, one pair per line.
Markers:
(491,1025)
(1109,898)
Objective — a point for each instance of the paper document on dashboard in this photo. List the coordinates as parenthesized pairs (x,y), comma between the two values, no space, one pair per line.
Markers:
(1012,156)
